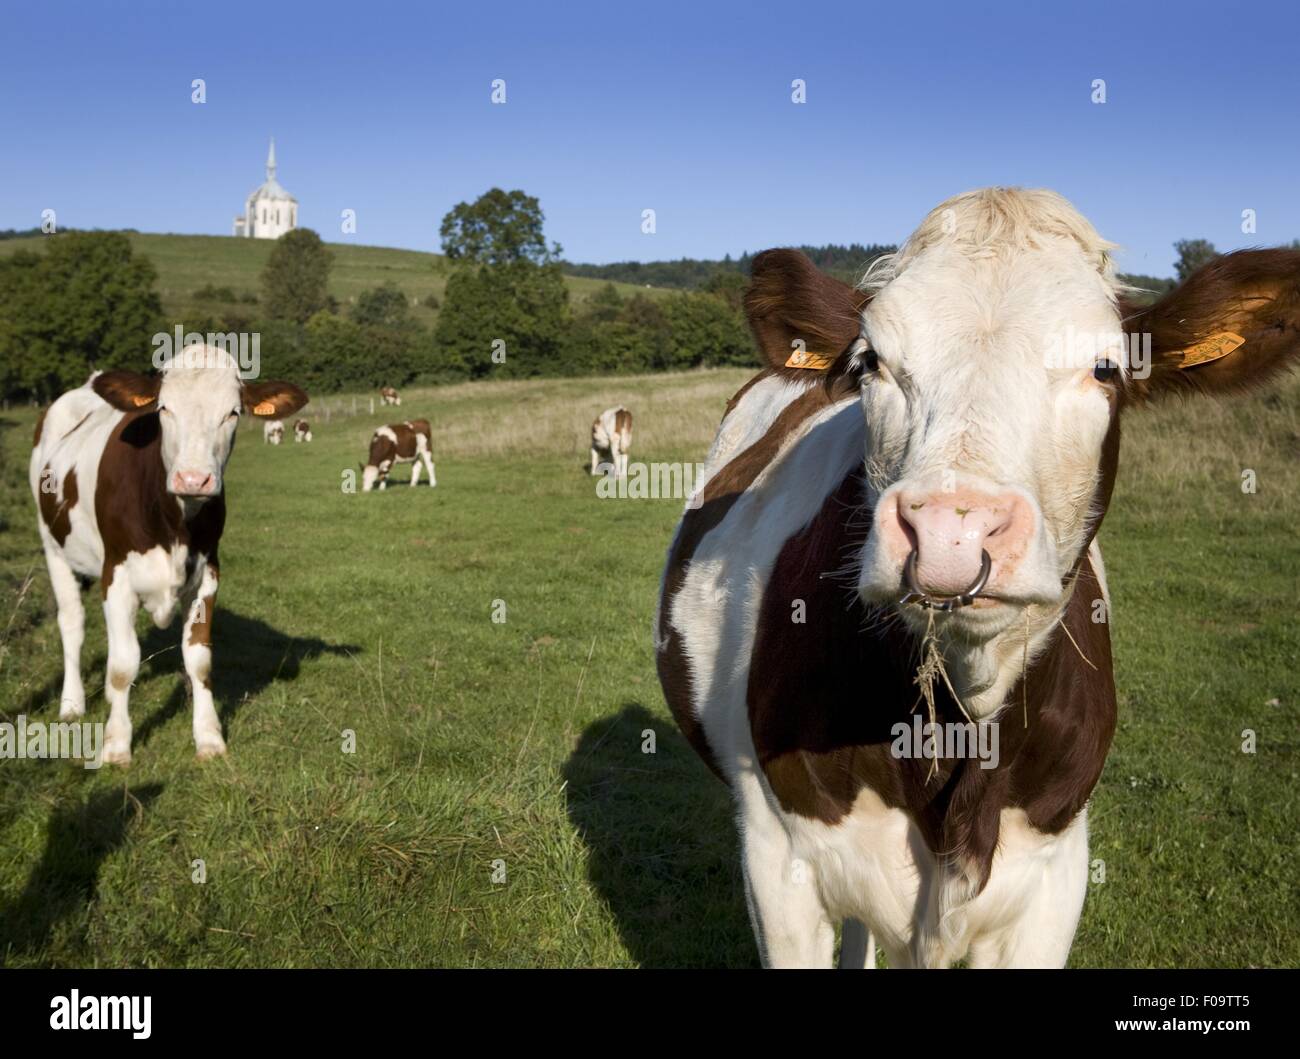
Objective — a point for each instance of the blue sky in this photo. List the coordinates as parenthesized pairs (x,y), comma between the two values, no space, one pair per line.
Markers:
(684,109)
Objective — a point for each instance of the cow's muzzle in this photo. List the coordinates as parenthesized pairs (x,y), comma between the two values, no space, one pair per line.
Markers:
(916,594)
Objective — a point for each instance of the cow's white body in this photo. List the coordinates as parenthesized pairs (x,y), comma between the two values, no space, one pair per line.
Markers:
(611,440)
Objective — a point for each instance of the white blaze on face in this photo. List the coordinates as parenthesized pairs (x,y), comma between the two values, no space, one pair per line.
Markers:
(986,423)
(199,405)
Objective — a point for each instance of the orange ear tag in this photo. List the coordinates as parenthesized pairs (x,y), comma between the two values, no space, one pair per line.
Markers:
(264,408)
(1212,348)
(140,401)
(801,358)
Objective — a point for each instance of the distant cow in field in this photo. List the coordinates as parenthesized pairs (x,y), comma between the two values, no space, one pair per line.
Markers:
(611,438)
(387,395)
(302,430)
(272,432)
(398,443)
(898,525)
(127,472)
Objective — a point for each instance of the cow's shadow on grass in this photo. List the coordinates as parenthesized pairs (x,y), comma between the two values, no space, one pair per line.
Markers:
(82,833)
(661,841)
(248,656)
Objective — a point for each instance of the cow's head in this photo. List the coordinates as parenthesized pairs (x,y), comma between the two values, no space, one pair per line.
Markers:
(198,398)
(995,353)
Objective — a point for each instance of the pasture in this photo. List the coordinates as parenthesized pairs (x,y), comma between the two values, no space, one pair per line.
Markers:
(498,809)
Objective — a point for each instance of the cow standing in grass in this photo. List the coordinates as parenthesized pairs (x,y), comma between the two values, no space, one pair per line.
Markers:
(127,472)
(398,443)
(387,395)
(301,431)
(611,439)
(898,524)
(272,432)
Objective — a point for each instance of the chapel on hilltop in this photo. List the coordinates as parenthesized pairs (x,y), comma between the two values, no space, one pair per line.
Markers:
(270,210)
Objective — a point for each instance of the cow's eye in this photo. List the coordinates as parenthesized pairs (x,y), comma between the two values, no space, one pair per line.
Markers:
(1105,371)
(870,359)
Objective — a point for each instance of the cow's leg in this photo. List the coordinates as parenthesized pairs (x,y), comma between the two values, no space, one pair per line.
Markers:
(196,648)
(428,464)
(415,472)
(785,908)
(1048,898)
(120,605)
(857,947)
(72,631)
(595,460)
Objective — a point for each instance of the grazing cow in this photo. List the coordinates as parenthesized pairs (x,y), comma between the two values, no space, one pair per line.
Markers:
(398,443)
(387,395)
(302,431)
(897,524)
(611,438)
(127,472)
(272,432)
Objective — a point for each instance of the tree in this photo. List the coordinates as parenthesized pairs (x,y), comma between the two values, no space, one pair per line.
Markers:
(1192,254)
(295,282)
(498,228)
(505,319)
(87,302)
(382,306)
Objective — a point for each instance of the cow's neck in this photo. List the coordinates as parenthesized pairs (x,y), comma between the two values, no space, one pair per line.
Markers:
(983,674)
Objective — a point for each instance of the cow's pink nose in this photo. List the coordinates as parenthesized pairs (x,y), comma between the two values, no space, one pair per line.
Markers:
(193,483)
(950,531)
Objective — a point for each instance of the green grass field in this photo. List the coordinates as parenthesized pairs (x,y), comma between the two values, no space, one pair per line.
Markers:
(188,263)
(498,810)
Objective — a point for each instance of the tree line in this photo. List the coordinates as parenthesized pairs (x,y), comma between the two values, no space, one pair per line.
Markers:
(89,301)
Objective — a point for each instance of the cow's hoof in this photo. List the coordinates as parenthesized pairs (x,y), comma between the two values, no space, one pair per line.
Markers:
(71,712)
(117,755)
(209,749)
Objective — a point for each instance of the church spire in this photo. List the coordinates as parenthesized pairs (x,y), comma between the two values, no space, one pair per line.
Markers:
(270,161)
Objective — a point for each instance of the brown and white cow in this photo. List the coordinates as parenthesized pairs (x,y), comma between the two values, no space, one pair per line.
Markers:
(387,395)
(272,432)
(127,472)
(905,504)
(398,443)
(611,439)
(301,431)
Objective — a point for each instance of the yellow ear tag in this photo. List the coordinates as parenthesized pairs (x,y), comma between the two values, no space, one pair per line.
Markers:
(801,358)
(140,401)
(264,408)
(1211,348)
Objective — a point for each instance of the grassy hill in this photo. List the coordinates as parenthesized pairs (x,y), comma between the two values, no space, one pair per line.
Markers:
(188,263)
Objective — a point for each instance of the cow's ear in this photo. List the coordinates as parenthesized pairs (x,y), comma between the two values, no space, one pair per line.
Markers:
(795,308)
(127,391)
(1232,325)
(273,400)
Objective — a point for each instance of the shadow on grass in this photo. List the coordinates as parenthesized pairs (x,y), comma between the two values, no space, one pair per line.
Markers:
(80,837)
(662,845)
(248,655)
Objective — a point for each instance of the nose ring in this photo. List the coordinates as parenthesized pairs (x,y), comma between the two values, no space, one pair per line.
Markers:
(915,594)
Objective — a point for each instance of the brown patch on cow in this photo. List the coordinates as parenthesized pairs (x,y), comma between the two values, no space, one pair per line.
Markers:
(824,697)
(1253,293)
(132,506)
(55,512)
(40,425)
(727,486)
(119,680)
(622,421)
